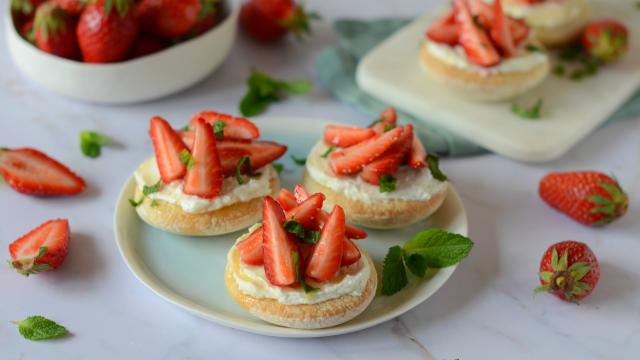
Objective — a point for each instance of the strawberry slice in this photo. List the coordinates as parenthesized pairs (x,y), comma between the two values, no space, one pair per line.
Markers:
(417,154)
(444,30)
(278,250)
(350,253)
(286,199)
(353,158)
(204,178)
(500,32)
(235,127)
(187,137)
(300,193)
(260,153)
(390,161)
(32,172)
(485,13)
(250,249)
(326,255)
(474,39)
(388,120)
(344,136)
(42,249)
(519,30)
(168,146)
(351,232)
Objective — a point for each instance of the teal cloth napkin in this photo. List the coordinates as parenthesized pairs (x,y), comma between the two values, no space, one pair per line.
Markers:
(336,67)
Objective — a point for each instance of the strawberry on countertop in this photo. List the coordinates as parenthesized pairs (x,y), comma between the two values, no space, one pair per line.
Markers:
(54,31)
(605,40)
(42,249)
(271,20)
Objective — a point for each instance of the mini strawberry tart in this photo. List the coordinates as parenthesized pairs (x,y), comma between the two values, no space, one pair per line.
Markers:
(300,267)
(555,22)
(379,174)
(207,180)
(482,54)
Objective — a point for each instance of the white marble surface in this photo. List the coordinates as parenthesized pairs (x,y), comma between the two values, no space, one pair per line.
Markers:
(485,311)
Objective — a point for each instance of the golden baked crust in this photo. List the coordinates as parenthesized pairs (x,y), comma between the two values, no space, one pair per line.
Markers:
(388,214)
(493,87)
(306,316)
(170,217)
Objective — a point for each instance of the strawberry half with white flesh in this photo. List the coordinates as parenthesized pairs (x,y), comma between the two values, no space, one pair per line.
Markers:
(286,199)
(235,127)
(260,153)
(42,249)
(344,136)
(279,247)
(326,255)
(250,249)
(390,161)
(204,178)
(473,38)
(300,193)
(350,253)
(445,30)
(168,146)
(354,158)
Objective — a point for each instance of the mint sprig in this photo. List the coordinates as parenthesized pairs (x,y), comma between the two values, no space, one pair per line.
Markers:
(532,113)
(387,183)
(296,262)
(299,161)
(278,167)
(218,129)
(434,166)
(186,158)
(306,236)
(91,143)
(40,328)
(264,90)
(433,248)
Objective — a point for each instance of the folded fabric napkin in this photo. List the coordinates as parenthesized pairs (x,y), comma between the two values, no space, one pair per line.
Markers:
(336,67)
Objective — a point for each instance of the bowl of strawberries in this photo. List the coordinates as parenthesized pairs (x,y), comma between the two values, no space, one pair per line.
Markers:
(119,51)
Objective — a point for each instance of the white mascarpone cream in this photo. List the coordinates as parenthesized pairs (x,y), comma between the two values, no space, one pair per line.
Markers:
(455,56)
(255,187)
(252,281)
(411,184)
(549,13)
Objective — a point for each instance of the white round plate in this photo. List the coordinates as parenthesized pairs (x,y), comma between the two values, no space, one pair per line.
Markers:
(189,271)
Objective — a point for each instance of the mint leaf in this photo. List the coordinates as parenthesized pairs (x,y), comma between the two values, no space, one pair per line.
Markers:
(439,248)
(389,127)
(559,70)
(533,113)
(244,163)
(299,162)
(278,167)
(264,90)
(184,128)
(327,152)
(434,166)
(218,129)
(394,275)
(187,159)
(40,328)
(91,143)
(297,87)
(416,264)
(311,237)
(387,183)
(295,228)
(296,262)
(147,190)
(137,203)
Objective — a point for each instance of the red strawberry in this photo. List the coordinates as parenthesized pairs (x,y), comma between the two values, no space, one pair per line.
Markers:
(168,146)
(24,10)
(236,127)
(350,253)
(32,172)
(271,20)
(146,45)
(260,153)
(204,178)
(417,154)
(107,30)
(207,19)
(54,31)
(473,39)
(444,30)
(250,249)
(569,270)
(169,18)
(42,249)
(305,213)
(500,32)
(344,136)
(351,232)
(326,255)
(73,7)
(388,120)
(187,137)
(300,193)
(589,197)
(485,15)
(354,158)
(286,199)
(390,161)
(605,40)
(26,31)
(278,246)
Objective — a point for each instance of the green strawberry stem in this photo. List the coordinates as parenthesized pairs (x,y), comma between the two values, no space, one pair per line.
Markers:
(300,21)
(564,279)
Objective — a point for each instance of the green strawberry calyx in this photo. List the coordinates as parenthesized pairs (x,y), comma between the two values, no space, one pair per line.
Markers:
(28,266)
(122,7)
(610,207)
(299,22)
(609,45)
(50,20)
(564,279)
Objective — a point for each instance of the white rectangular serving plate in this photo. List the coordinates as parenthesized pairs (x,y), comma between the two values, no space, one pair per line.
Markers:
(572,109)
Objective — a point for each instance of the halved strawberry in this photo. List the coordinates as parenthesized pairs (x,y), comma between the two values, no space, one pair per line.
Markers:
(168,146)
(187,137)
(444,30)
(42,249)
(473,38)
(260,153)
(417,154)
(344,136)
(326,255)
(250,249)
(278,250)
(485,15)
(300,193)
(388,120)
(32,172)
(390,161)
(519,30)
(351,231)
(204,178)
(350,253)
(286,199)
(235,127)
(306,212)
(500,32)
(353,158)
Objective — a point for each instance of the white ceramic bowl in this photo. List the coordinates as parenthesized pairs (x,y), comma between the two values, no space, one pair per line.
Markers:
(137,80)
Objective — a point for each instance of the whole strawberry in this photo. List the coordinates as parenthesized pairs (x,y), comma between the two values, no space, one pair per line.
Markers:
(589,197)
(42,249)
(170,19)
(54,31)
(271,20)
(569,270)
(73,7)
(25,9)
(106,30)
(605,40)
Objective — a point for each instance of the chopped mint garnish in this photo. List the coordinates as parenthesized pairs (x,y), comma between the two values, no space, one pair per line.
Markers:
(532,113)
(296,262)
(559,70)
(137,203)
(278,167)
(327,152)
(532,48)
(91,143)
(187,159)
(264,90)
(243,163)
(218,129)
(299,162)
(434,166)
(147,190)
(185,128)
(387,183)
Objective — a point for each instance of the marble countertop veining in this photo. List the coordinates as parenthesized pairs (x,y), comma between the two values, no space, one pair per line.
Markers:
(485,311)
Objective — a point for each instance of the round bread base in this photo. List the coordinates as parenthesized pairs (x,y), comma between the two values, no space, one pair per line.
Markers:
(306,316)
(389,214)
(170,217)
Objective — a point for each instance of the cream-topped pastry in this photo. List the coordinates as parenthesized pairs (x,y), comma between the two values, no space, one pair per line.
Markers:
(205,181)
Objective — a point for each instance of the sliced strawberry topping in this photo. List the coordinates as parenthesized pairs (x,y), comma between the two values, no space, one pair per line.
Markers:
(350,253)
(278,246)
(417,154)
(485,14)
(42,249)
(500,32)
(187,137)
(306,212)
(32,172)
(344,136)
(351,232)
(286,199)
(326,255)
(260,153)
(250,249)
(388,120)
(204,178)
(300,193)
(354,158)
(235,127)
(473,39)
(168,146)
(390,161)
(519,30)
(444,30)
